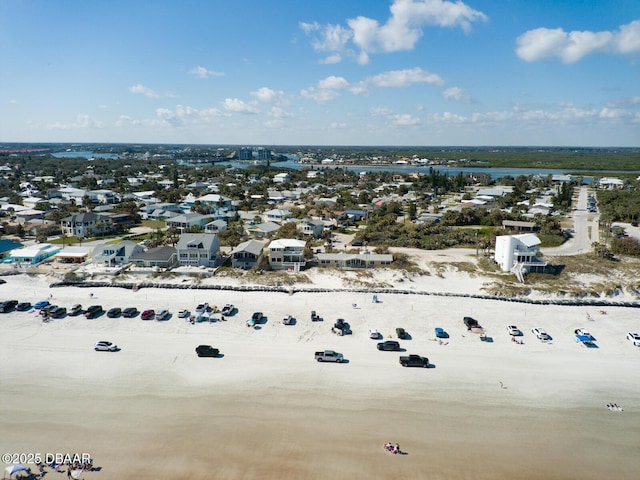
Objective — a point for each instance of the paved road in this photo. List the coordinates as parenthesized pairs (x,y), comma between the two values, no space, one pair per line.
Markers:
(585,226)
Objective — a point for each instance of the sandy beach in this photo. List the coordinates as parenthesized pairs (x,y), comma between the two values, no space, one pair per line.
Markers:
(267,409)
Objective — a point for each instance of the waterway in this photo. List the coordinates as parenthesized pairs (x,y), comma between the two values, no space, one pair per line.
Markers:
(85,154)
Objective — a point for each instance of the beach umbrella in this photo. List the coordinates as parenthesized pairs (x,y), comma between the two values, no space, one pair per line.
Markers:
(76,473)
(13,469)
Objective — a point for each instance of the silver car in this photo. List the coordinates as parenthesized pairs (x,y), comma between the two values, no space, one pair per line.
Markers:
(104,346)
(162,315)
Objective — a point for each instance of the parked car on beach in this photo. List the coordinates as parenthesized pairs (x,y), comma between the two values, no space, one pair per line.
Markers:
(414,361)
(8,305)
(513,330)
(41,304)
(23,306)
(129,312)
(228,310)
(440,333)
(104,346)
(148,315)
(401,333)
(114,312)
(75,309)
(541,334)
(93,311)
(162,315)
(634,337)
(184,313)
(57,312)
(389,346)
(207,351)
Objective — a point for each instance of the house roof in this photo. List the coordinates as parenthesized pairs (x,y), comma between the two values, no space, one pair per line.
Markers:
(7,245)
(381,257)
(250,246)
(266,227)
(203,241)
(287,243)
(528,239)
(163,253)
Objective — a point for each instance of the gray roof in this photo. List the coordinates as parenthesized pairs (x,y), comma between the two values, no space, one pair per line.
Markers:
(197,240)
(163,253)
(380,257)
(250,246)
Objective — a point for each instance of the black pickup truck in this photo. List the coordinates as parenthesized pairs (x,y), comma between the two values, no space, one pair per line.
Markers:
(471,323)
(414,361)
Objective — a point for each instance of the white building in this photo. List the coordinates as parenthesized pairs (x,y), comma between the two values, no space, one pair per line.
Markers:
(517,254)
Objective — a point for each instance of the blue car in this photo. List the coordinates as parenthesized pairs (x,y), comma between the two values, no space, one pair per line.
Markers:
(41,304)
(440,333)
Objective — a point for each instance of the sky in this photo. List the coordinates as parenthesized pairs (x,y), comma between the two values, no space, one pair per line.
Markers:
(321,72)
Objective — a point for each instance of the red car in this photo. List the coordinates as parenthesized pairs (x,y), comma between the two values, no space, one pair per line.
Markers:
(148,315)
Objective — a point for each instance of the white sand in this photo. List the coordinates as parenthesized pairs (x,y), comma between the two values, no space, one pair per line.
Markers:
(266,409)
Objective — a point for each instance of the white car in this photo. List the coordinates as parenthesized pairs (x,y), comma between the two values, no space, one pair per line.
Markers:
(184,313)
(541,334)
(202,307)
(228,309)
(162,315)
(374,334)
(104,346)
(634,337)
(513,330)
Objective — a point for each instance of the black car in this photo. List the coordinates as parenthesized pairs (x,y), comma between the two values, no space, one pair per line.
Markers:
(207,351)
(129,312)
(23,306)
(57,312)
(401,333)
(257,317)
(93,311)
(114,312)
(8,305)
(389,345)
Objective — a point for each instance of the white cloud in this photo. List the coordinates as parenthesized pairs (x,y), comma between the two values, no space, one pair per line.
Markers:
(185,115)
(404,120)
(331,59)
(570,47)
(456,93)
(278,112)
(405,78)
(202,72)
(379,111)
(146,91)
(400,32)
(319,95)
(268,95)
(333,82)
(239,106)
(82,122)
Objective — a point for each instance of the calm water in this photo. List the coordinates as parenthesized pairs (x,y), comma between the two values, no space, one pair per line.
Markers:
(85,154)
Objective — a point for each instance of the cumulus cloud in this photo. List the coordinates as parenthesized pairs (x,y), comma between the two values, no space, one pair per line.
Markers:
(318,95)
(268,95)
(333,82)
(82,122)
(202,72)
(456,93)
(278,112)
(146,91)
(239,106)
(404,120)
(401,31)
(405,78)
(570,47)
(185,115)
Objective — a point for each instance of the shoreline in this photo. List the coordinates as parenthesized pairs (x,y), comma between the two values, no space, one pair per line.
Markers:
(266,409)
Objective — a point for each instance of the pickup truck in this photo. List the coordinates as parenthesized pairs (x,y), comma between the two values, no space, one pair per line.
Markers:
(329,356)
(414,361)
(471,323)
(289,320)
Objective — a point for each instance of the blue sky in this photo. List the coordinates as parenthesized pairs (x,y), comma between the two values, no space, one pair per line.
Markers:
(321,72)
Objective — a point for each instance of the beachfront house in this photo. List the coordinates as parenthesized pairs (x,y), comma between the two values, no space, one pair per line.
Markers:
(115,255)
(518,254)
(287,254)
(262,230)
(164,257)
(364,259)
(247,255)
(198,249)
(87,224)
(32,255)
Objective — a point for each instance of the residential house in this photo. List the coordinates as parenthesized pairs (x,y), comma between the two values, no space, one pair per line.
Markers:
(164,257)
(355,260)
(287,254)
(519,226)
(247,255)
(356,215)
(32,255)
(114,255)
(162,210)
(281,178)
(198,249)
(310,227)
(6,246)
(217,226)
(86,224)
(518,254)
(263,230)
(188,220)
(215,203)
(278,215)
(73,255)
